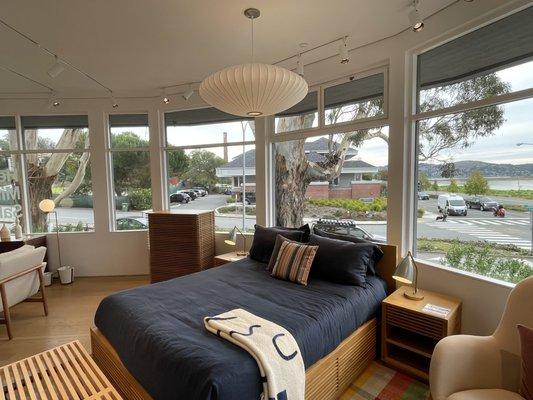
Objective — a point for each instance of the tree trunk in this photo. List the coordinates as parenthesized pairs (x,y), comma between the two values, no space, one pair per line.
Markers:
(40,187)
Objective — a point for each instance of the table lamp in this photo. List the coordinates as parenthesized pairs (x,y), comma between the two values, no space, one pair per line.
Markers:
(407,272)
(48,206)
(232,240)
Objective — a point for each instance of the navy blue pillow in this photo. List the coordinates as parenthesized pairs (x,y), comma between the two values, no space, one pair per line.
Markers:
(378,253)
(265,240)
(340,261)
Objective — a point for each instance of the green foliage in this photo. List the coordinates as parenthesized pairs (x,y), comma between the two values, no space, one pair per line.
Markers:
(453,187)
(230,200)
(420,212)
(367,176)
(481,258)
(476,184)
(379,204)
(423,182)
(236,210)
(202,168)
(131,169)
(435,186)
(141,199)
(447,170)
(178,162)
(79,227)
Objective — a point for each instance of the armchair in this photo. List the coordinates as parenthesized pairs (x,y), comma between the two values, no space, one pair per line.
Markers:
(465,367)
(21,277)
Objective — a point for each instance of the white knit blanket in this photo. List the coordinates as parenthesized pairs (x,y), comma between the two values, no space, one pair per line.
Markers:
(273,348)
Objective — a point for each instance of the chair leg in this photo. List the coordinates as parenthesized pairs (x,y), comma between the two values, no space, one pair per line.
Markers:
(43,295)
(7,318)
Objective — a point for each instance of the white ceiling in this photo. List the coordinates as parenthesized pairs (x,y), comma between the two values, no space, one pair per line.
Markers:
(137,46)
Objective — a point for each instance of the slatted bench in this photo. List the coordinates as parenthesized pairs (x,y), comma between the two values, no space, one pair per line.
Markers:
(66,372)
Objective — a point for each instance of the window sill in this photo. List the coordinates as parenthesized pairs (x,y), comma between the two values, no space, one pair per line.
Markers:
(465,273)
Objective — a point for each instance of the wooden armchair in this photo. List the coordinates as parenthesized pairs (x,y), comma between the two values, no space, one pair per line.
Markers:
(21,277)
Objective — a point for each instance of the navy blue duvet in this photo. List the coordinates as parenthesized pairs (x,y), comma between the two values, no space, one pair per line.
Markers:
(159,334)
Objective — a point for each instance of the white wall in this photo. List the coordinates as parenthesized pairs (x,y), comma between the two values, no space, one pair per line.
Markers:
(117,253)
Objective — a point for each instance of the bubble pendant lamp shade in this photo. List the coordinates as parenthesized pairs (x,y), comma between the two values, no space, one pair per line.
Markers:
(253,90)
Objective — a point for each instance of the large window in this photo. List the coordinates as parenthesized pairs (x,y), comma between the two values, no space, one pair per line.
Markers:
(130,165)
(210,159)
(474,169)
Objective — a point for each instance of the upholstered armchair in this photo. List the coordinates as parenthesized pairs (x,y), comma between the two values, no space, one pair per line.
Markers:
(465,367)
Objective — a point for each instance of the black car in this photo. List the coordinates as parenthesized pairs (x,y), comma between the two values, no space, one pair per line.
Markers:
(482,203)
(348,227)
(192,193)
(180,198)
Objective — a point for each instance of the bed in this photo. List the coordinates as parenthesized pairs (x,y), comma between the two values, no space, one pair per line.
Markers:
(151,343)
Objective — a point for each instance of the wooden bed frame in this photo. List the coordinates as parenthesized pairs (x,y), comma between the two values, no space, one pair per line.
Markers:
(327,379)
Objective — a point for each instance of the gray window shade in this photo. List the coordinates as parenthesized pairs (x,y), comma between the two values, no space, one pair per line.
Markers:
(501,44)
(354,91)
(308,105)
(55,121)
(7,122)
(200,116)
(123,120)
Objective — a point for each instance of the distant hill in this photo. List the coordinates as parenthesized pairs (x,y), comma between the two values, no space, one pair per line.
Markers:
(465,168)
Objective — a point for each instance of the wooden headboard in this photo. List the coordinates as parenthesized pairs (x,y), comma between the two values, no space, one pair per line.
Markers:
(387,265)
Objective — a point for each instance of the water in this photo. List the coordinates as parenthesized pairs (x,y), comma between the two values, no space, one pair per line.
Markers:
(497,183)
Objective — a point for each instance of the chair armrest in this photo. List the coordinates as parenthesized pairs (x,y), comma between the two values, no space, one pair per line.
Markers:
(463,362)
(21,273)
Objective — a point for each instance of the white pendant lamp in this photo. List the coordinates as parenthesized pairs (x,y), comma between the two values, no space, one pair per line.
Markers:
(253,89)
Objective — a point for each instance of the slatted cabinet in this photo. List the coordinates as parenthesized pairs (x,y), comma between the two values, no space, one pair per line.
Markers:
(409,333)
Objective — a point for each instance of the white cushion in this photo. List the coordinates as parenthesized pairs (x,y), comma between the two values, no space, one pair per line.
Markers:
(485,394)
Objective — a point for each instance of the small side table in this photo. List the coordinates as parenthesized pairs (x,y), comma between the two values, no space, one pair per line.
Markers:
(411,329)
(227,258)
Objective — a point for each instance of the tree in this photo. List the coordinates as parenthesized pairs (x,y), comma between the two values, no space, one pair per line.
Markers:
(453,187)
(447,170)
(131,169)
(435,186)
(294,171)
(423,182)
(178,162)
(202,168)
(476,184)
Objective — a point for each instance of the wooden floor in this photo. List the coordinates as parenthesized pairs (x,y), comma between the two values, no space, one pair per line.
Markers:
(71,313)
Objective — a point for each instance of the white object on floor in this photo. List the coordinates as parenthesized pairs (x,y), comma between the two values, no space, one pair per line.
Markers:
(47,277)
(66,274)
(273,347)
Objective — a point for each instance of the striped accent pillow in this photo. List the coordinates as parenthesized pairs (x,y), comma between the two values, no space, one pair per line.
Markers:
(294,262)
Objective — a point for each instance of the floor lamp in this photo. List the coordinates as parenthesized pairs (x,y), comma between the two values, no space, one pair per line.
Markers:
(48,206)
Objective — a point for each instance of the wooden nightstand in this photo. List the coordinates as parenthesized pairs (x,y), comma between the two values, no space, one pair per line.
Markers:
(227,258)
(409,331)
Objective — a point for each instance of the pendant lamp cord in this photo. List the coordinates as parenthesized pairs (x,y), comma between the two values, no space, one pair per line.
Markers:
(252,39)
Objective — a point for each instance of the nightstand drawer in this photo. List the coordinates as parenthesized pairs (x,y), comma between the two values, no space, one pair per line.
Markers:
(413,321)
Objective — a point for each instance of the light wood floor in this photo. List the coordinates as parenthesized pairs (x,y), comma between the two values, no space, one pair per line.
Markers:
(71,312)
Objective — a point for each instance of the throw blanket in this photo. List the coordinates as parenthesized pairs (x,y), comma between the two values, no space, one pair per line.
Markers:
(273,348)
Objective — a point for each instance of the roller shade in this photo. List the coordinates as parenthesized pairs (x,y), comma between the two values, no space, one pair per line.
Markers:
(501,44)
(308,105)
(124,120)
(200,116)
(354,91)
(7,122)
(55,121)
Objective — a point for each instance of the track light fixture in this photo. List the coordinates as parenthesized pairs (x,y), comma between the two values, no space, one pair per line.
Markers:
(53,101)
(164,97)
(343,51)
(114,103)
(56,69)
(300,66)
(414,18)
(187,95)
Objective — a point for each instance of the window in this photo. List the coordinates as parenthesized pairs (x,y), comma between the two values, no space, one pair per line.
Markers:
(210,160)
(355,99)
(303,115)
(57,161)
(130,165)
(474,169)
(337,181)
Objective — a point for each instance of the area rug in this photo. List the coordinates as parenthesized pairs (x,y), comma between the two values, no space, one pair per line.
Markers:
(381,383)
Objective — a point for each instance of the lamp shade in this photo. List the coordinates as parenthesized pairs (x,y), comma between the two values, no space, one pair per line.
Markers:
(232,237)
(405,271)
(254,89)
(47,205)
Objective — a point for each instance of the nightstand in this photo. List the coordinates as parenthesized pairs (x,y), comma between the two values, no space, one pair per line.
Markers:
(410,329)
(227,258)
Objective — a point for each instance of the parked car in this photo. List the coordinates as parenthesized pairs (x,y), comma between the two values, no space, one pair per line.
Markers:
(180,198)
(452,204)
(367,200)
(191,193)
(482,203)
(249,198)
(423,196)
(348,227)
(203,191)
(132,223)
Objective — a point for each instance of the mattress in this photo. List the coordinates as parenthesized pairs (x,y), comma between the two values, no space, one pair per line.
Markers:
(158,331)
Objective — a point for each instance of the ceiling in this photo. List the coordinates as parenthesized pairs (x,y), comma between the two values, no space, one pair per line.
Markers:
(135,47)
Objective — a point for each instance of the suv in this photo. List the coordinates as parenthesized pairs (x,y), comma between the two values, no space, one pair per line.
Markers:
(347,227)
(482,202)
(179,198)
(201,191)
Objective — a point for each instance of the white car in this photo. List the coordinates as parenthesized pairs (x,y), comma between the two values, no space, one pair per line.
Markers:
(452,204)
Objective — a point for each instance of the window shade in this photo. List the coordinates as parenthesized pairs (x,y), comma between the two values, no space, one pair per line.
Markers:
(123,120)
(200,116)
(308,105)
(354,91)
(7,122)
(55,121)
(501,44)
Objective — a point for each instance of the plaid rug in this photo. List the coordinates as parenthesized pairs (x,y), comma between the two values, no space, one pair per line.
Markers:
(381,383)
